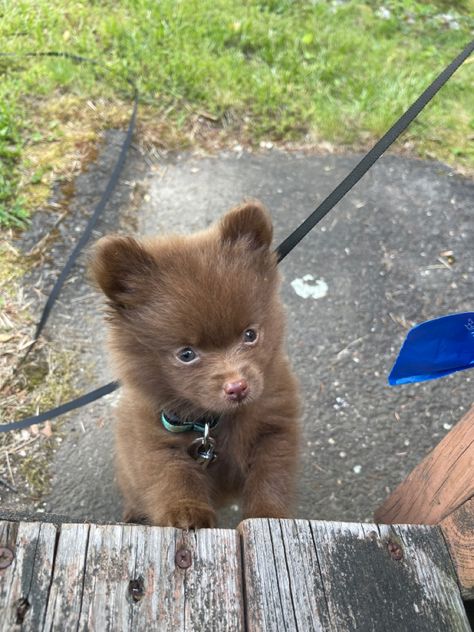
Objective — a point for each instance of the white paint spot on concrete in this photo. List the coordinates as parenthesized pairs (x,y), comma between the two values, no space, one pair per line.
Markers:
(309,287)
(340,403)
(357,469)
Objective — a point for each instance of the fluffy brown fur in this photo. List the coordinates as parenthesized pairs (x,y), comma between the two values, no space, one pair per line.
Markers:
(202,291)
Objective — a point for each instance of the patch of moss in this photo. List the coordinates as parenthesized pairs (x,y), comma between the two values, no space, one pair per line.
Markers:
(34,469)
(35,375)
(11,267)
(66,145)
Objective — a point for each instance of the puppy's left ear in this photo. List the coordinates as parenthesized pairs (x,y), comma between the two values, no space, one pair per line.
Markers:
(250,221)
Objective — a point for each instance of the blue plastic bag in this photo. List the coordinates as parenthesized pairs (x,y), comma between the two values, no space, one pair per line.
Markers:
(434,349)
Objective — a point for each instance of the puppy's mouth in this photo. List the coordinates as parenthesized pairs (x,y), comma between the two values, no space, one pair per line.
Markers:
(232,403)
(238,403)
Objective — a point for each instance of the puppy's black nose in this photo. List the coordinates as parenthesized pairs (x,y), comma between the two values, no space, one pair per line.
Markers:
(236,391)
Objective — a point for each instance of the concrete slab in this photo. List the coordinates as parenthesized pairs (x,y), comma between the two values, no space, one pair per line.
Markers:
(370,270)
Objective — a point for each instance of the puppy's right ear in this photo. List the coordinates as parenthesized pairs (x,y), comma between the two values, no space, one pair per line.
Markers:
(122,267)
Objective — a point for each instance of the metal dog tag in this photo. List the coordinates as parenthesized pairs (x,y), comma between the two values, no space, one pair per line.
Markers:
(203,450)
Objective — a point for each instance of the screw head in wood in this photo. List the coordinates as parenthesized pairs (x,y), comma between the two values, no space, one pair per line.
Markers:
(183,558)
(395,550)
(136,589)
(6,557)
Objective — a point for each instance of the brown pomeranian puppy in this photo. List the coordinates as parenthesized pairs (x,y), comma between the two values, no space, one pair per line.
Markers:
(209,408)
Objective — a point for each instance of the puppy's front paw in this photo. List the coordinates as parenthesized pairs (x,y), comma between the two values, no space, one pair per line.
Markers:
(188,516)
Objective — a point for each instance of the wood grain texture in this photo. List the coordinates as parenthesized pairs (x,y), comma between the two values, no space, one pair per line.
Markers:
(338,577)
(24,585)
(297,575)
(121,577)
(283,585)
(205,596)
(458,530)
(65,595)
(439,484)
(214,587)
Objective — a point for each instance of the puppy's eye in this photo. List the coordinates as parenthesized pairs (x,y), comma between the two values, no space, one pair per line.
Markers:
(250,336)
(186,355)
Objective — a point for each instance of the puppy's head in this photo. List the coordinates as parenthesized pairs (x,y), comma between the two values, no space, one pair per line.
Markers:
(195,320)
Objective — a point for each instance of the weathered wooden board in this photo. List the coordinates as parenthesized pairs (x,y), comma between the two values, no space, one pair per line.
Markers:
(439,484)
(124,577)
(24,584)
(64,601)
(216,583)
(458,529)
(283,585)
(302,575)
(162,596)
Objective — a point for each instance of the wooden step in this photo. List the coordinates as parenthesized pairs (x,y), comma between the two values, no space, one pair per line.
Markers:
(268,575)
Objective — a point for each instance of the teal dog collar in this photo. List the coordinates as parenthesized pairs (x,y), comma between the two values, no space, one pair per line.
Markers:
(173,423)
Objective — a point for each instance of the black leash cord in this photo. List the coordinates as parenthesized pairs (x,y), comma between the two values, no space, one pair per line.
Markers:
(102,203)
(283,249)
(374,154)
(105,197)
(62,409)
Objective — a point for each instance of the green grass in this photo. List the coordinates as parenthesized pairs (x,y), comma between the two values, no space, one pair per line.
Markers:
(12,209)
(307,71)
